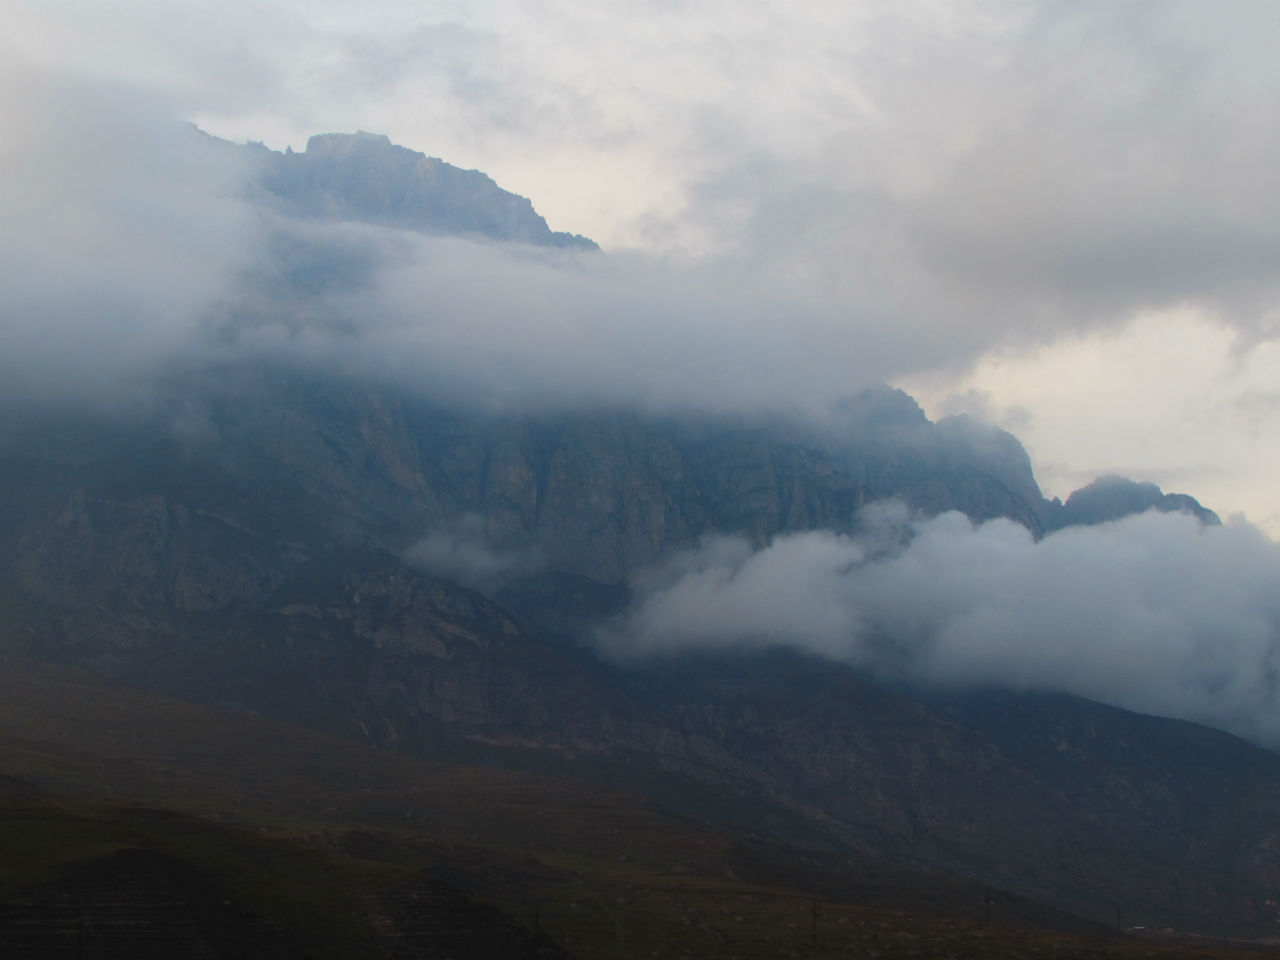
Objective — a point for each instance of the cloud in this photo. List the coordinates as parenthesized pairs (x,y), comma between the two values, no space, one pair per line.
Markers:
(1069,169)
(1153,613)
(463,553)
(119,230)
(519,329)
(889,188)
(1170,398)
(130,250)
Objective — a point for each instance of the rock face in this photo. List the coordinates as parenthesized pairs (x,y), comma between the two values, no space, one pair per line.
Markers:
(592,495)
(365,178)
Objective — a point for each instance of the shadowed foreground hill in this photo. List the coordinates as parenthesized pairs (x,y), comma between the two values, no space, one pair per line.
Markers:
(113,880)
(290,844)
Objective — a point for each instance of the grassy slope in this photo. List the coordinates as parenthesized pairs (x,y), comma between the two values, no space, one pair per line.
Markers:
(307,831)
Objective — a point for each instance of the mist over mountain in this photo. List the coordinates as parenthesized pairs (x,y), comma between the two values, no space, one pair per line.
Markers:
(310,360)
(410,468)
(135,245)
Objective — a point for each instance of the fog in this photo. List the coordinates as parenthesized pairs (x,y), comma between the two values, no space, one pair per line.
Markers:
(133,245)
(997,178)
(1153,613)
(461,552)
(119,233)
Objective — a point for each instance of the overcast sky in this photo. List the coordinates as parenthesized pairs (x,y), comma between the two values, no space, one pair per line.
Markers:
(1063,215)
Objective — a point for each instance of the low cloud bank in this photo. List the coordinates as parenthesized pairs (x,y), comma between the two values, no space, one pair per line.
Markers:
(902,191)
(1153,613)
(127,246)
(119,233)
(462,552)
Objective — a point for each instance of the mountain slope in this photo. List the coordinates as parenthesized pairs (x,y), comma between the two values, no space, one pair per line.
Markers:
(317,846)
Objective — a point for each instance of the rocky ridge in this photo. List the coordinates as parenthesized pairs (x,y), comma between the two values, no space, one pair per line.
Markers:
(1112,497)
(364,177)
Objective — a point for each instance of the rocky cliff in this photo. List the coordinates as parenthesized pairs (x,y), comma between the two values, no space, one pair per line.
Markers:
(363,177)
(1112,497)
(599,495)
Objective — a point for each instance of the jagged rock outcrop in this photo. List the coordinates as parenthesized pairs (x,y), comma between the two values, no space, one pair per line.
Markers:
(1112,497)
(365,178)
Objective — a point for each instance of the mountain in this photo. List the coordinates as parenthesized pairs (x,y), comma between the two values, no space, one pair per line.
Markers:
(379,566)
(1112,497)
(363,177)
(263,568)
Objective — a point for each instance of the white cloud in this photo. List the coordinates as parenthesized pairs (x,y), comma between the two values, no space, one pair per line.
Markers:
(118,232)
(1152,613)
(463,553)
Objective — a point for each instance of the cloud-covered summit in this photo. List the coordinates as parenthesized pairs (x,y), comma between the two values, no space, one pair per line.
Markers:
(910,187)
(137,245)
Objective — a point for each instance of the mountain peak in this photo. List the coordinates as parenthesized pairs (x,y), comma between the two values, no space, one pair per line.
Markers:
(1111,497)
(340,143)
(365,178)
